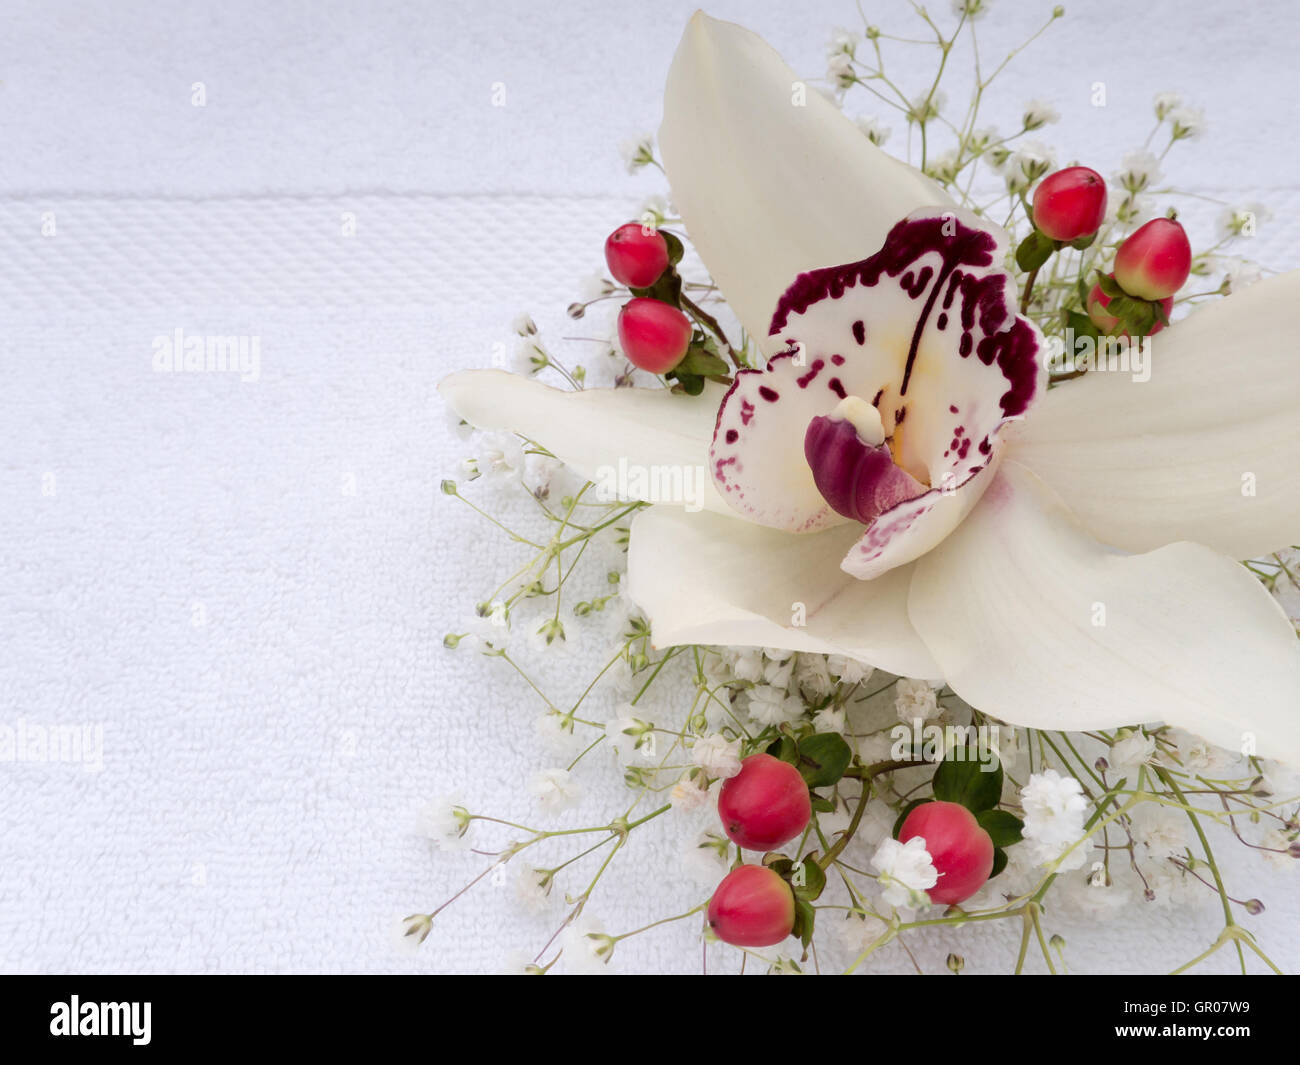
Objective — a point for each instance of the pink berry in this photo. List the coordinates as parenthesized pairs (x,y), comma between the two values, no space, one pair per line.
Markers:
(1070,203)
(962,852)
(654,335)
(765,804)
(1154,261)
(1098,301)
(752,907)
(636,256)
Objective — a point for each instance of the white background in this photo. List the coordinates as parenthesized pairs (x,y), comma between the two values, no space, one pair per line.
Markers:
(263,767)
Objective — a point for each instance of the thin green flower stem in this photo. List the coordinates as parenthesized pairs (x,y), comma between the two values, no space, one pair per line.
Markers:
(1042,942)
(1209,858)
(596,679)
(1065,738)
(867,775)
(579,856)
(662,920)
(658,666)
(505,657)
(603,525)
(585,751)
(508,531)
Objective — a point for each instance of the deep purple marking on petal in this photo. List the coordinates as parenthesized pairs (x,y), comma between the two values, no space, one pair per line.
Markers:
(942,321)
(907,242)
(1015,352)
(732,436)
(746,412)
(860,332)
(899,415)
(835,385)
(769,394)
(817,367)
(952,409)
(837,360)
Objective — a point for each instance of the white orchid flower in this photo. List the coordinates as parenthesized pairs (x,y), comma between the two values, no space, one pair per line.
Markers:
(899,487)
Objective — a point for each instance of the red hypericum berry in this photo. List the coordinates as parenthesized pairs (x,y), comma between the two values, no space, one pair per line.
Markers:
(636,255)
(1098,301)
(1070,203)
(1155,260)
(752,907)
(654,335)
(962,852)
(765,804)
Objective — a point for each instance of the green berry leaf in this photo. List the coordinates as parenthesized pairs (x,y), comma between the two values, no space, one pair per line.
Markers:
(805,916)
(807,880)
(823,757)
(1003,828)
(1034,250)
(784,748)
(675,249)
(964,778)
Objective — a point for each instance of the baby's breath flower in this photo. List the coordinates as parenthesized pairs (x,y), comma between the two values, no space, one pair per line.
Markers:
(586,947)
(848,670)
(858,931)
(654,212)
(1130,751)
(638,152)
(1054,809)
(705,858)
(1243,221)
(1188,122)
(632,737)
(532,889)
(530,357)
(842,42)
(1166,102)
(770,705)
(594,287)
(446,822)
(840,72)
(1026,165)
(1138,171)
(972,9)
(1278,852)
(877,132)
(915,699)
(718,756)
(688,795)
(1038,114)
(980,139)
(906,871)
(943,168)
(924,108)
(1163,831)
(555,789)
(829,720)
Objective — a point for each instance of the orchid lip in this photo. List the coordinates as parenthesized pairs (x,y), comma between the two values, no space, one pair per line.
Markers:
(853,465)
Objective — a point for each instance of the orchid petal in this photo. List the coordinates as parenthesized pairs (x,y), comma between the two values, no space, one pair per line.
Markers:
(643,443)
(925,331)
(702,578)
(1206,450)
(1037,624)
(771,178)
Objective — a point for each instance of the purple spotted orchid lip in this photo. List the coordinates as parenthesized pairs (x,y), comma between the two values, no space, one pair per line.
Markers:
(888,403)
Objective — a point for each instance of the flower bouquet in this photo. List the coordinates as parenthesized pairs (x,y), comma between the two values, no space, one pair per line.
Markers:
(937,513)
